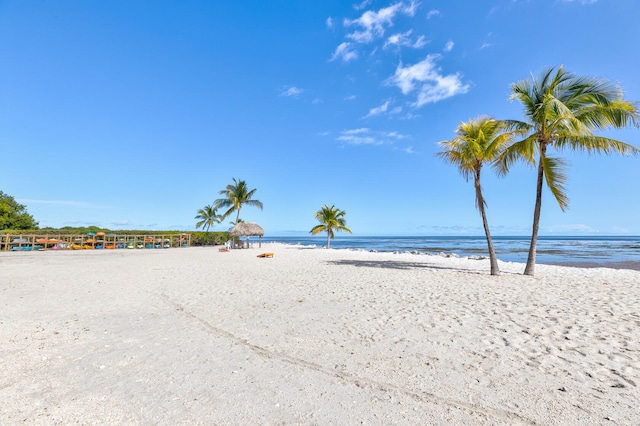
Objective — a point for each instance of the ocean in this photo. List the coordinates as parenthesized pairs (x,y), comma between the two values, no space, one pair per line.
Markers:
(593,250)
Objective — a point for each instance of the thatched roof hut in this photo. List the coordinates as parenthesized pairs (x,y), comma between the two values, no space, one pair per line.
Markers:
(247,229)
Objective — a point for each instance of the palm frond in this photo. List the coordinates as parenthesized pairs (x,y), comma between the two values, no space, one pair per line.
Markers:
(523,150)
(595,144)
(554,173)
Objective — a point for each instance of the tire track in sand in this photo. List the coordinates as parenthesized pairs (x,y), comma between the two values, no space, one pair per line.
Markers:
(361,382)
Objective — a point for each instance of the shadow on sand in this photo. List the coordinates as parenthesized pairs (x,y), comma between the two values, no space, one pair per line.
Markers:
(394,264)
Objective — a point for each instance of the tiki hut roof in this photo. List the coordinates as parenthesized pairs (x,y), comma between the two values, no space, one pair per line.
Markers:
(246,229)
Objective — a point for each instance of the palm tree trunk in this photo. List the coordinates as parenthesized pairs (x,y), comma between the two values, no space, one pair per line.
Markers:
(531,260)
(495,270)
(328,238)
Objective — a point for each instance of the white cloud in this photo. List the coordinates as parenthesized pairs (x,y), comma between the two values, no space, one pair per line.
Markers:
(357,131)
(358,140)
(448,46)
(292,91)
(373,23)
(577,228)
(425,78)
(487,42)
(361,5)
(433,13)
(350,98)
(366,136)
(581,1)
(122,223)
(345,52)
(379,110)
(329,22)
(396,135)
(404,39)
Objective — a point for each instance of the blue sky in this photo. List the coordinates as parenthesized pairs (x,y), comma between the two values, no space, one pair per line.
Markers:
(129,115)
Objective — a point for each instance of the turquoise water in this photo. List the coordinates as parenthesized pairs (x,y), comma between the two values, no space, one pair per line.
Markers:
(511,249)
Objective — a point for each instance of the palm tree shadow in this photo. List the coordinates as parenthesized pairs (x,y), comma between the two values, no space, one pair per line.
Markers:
(398,265)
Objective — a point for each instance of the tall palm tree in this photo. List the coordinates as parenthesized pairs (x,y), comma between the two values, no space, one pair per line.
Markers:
(477,142)
(207,217)
(562,111)
(331,219)
(235,196)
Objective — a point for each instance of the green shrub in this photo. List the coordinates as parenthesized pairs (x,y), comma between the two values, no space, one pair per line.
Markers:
(208,238)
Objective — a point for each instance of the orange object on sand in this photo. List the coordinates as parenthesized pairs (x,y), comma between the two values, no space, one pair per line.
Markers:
(266,255)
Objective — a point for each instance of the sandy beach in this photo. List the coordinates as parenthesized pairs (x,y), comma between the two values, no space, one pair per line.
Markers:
(313,336)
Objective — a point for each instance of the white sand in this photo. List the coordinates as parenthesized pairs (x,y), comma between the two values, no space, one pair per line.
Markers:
(313,336)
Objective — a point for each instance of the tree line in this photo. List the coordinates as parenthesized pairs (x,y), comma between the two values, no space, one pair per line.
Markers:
(238,194)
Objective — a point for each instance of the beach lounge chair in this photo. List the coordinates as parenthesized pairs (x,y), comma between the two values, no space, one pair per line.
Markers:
(266,255)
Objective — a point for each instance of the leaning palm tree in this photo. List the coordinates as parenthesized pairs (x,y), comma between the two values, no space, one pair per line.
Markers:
(331,219)
(207,217)
(235,196)
(562,111)
(477,142)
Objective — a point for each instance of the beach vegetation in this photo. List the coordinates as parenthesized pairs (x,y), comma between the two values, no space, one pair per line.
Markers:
(14,215)
(331,220)
(207,217)
(208,238)
(562,110)
(478,142)
(235,196)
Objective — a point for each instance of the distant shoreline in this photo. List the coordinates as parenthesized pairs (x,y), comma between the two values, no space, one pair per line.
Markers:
(590,251)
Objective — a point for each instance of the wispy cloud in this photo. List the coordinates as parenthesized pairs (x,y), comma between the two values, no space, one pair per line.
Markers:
(350,98)
(432,13)
(366,136)
(330,23)
(372,24)
(292,91)
(344,51)
(122,223)
(428,81)
(583,2)
(361,5)
(449,46)
(379,109)
(356,131)
(404,39)
(575,228)
(487,41)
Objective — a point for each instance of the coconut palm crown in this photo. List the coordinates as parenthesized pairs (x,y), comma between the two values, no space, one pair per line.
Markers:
(331,219)
(207,218)
(235,196)
(478,142)
(562,110)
